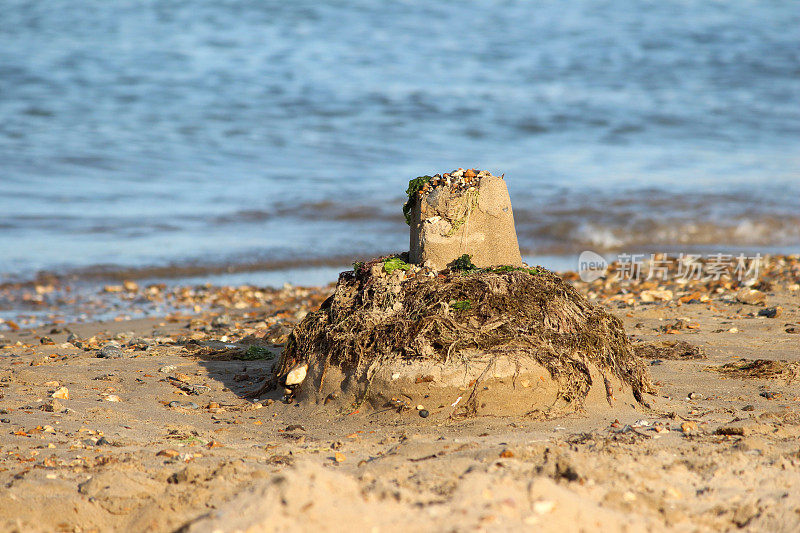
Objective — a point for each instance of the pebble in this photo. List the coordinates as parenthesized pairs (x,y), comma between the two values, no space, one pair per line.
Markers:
(62,393)
(695,396)
(424,413)
(771,312)
(690,428)
(174,403)
(751,296)
(111,350)
(222,321)
(53,406)
(166,369)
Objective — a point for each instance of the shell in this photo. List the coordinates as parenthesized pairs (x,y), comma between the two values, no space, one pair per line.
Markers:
(296,375)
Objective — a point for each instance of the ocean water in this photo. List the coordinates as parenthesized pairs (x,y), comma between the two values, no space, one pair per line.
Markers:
(198,139)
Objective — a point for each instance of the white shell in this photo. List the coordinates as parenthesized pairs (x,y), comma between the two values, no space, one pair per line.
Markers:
(296,375)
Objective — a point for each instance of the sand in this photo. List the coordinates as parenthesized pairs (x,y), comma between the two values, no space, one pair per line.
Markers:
(715,451)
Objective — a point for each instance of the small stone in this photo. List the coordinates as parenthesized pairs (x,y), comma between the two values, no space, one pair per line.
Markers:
(751,296)
(339,457)
(5,420)
(296,375)
(174,403)
(166,369)
(191,405)
(222,321)
(112,398)
(749,407)
(46,340)
(111,350)
(48,429)
(424,413)
(62,393)
(168,453)
(212,405)
(655,295)
(733,330)
(771,312)
(102,441)
(53,406)
(52,384)
(695,396)
(690,428)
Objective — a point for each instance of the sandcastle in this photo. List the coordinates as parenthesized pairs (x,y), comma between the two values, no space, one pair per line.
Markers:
(458,326)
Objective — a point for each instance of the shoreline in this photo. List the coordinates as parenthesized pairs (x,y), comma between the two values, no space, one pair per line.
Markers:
(716,450)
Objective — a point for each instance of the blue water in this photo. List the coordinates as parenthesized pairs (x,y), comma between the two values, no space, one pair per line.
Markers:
(256,135)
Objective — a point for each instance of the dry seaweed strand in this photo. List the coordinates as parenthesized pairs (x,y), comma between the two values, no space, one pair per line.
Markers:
(522,313)
(761,369)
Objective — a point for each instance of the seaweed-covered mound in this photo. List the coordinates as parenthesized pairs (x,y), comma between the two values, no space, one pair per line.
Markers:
(503,340)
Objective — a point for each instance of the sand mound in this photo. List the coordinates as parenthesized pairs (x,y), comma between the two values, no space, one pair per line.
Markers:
(500,341)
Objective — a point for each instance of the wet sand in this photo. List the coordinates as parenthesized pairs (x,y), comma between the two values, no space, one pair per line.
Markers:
(715,451)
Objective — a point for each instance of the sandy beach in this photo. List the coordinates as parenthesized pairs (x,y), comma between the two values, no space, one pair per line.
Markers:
(146,425)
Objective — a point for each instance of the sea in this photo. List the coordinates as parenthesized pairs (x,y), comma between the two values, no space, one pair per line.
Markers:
(264,142)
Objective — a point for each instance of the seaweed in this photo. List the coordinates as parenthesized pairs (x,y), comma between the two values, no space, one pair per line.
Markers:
(372,321)
(462,305)
(254,352)
(463,264)
(414,186)
(395,263)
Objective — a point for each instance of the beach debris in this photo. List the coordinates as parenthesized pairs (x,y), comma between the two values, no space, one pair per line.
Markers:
(112,350)
(655,295)
(221,321)
(296,375)
(761,369)
(771,312)
(61,393)
(53,406)
(458,213)
(690,428)
(751,296)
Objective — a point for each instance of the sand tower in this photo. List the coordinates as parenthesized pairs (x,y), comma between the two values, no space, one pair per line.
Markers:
(458,326)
